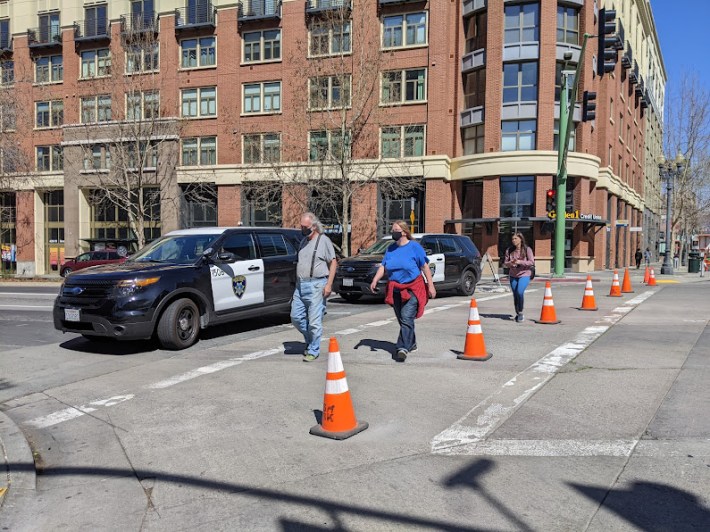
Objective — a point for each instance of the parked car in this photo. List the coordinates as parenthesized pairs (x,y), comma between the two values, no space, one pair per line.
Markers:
(181,283)
(90,258)
(454,260)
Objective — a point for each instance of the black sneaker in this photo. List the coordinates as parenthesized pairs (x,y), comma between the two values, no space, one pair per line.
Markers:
(413,349)
(401,355)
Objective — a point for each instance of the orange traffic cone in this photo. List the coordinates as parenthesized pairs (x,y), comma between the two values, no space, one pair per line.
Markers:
(615,288)
(475,346)
(652,279)
(626,285)
(588,301)
(548,316)
(646,275)
(338,420)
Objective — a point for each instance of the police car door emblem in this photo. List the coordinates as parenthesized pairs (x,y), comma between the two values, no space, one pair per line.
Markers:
(239,285)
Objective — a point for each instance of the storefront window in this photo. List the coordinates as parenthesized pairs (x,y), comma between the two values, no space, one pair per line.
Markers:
(8,245)
(54,229)
(517,202)
(262,205)
(402,205)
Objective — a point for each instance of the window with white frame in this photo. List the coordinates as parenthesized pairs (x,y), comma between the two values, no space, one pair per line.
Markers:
(49,158)
(96,109)
(329,145)
(518,135)
(400,31)
(402,141)
(49,69)
(522,23)
(330,38)
(329,92)
(261,148)
(142,58)
(7,72)
(473,138)
(49,113)
(258,46)
(95,63)
(199,103)
(567,25)
(403,86)
(97,157)
(198,53)
(262,97)
(142,105)
(199,151)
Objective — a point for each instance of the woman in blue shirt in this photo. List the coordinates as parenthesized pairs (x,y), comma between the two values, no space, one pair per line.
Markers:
(404,262)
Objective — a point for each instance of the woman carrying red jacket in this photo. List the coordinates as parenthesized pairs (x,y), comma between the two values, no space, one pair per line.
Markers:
(404,262)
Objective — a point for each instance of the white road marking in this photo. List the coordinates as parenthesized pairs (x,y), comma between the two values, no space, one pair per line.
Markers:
(74,412)
(477,424)
(345,332)
(545,448)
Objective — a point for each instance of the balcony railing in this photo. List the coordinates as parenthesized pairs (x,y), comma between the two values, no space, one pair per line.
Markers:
(93,29)
(634,73)
(396,2)
(259,10)
(136,23)
(639,88)
(202,15)
(620,37)
(44,36)
(320,6)
(627,58)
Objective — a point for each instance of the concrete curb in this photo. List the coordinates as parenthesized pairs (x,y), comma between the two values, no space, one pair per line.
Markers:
(19,464)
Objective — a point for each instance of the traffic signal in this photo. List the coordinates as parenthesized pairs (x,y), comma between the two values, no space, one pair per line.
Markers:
(606,59)
(550,200)
(588,106)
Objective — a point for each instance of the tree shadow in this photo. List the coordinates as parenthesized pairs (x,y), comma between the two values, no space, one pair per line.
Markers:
(651,506)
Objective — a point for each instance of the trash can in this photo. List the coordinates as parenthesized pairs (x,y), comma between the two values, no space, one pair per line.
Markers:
(693,262)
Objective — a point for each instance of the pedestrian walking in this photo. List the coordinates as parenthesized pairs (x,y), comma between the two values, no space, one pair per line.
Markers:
(404,262)
(702,264)
(315,272)
(520,261)
(647,257)
(638,256)
(676,260)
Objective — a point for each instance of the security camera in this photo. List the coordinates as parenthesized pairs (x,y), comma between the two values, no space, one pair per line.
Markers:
(567,56)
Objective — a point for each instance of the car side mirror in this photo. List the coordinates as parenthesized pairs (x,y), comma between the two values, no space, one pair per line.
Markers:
(429,251)
(226,256)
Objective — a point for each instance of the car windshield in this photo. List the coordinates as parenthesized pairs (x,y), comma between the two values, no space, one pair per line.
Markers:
(379,247)
(176,249)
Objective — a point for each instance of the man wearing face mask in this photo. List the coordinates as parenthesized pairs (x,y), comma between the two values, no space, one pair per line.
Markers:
(315,271)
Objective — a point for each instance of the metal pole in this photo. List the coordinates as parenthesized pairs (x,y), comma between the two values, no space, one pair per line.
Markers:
(561,192)
(667,266)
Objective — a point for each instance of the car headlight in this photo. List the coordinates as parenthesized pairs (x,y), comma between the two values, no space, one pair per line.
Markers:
(130,287)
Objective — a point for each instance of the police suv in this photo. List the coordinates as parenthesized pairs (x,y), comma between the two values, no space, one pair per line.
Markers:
(181,283)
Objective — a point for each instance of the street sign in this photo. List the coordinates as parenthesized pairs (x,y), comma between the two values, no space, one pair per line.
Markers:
(622,223)
(636,229)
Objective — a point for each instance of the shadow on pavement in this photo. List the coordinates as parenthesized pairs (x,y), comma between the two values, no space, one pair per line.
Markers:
(109,346)
(294,348)
(377,345)
(652,506)
(506,317)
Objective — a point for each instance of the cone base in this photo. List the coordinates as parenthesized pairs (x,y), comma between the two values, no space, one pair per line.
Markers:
(317,430)
(479,358)
(627,291)
(614,295)
(581,308)
(547,322)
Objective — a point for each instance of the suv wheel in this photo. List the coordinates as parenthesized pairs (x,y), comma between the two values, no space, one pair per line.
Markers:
(350,298)
(179,325)
(467,283)
(65,272)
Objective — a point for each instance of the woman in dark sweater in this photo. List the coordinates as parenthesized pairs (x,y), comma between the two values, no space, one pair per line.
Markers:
(520,260)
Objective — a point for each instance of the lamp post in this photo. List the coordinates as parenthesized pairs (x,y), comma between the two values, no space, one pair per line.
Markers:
(668,172)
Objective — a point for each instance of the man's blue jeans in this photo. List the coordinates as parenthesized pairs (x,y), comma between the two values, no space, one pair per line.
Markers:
(406,312)
(307,310)
(518,286)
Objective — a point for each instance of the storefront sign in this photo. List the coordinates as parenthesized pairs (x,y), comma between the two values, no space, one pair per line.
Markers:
(622,223)
(576,215)
(636,229)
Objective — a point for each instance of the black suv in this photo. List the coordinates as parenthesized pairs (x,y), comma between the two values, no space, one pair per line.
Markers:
(454,260)
(181,283)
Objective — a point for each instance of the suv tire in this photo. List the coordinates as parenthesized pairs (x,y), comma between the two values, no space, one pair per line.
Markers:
(65,272)
(467,283)
(350,298)
(179,325)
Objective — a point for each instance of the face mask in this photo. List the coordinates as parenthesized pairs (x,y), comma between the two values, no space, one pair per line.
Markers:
(396,235)
(306,231)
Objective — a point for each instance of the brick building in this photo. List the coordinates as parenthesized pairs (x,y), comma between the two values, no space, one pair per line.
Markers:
(465,103)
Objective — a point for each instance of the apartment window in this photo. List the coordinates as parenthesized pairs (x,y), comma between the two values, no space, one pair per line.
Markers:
(475,31)
(329,92)
(567,25)
(49,28)
(49,159)
(401,86)
(49,114)
(141,155)
(330,39)
(97,157)
(143,105)
(522,23)
(328,144)
(199,103)
(520,82)
(198,53)
(7,72)
(474,88)
(96,109)
(262,97)
(49,69)
(518,135)
(95,63)
(199,151)
(5,37)
(261,46)
(142,58)
(473,138)
(96,20)
(621,127)
(261,148)
(404,30)
(556,137)
(402,141)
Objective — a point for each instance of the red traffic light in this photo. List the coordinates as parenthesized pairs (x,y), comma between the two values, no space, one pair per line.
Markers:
(551,193)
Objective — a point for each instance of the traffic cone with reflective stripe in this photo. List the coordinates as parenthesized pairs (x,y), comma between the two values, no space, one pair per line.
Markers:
(548,316)
(647,275)
(615,288)
(588,301)
(652,279)
(475,346)
(338,421)
(626,284)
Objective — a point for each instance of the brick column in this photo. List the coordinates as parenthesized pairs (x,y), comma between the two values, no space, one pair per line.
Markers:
(363,217)
(229,205)
(491,209)
(25,233)
(294,202)
(438,205)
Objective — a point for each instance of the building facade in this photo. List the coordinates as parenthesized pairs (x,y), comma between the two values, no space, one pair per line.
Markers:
(208,107)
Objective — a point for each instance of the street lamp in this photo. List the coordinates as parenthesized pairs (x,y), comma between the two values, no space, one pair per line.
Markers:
(668,172)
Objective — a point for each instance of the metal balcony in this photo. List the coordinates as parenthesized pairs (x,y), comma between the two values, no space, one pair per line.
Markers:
(639,88)
(627,58)
(135,24)
(398,2)
(645,99)
(634,73)
(44,37)
(620,37)
(5,43)
(93,29)
(194,16)
(259,10)
(314,7)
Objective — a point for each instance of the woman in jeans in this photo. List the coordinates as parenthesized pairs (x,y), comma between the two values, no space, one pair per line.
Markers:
(404,262)
(520,260)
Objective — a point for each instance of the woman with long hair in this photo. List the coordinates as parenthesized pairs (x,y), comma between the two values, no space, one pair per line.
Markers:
(519,259)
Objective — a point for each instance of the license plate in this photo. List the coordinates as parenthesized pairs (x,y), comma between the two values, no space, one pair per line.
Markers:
(72,314)
(347,282)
